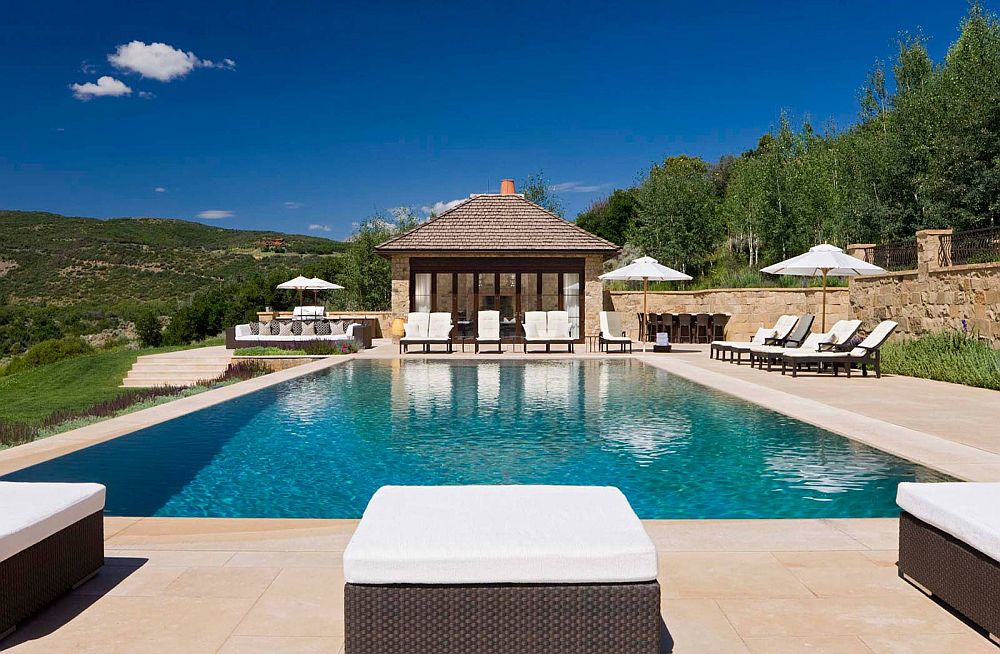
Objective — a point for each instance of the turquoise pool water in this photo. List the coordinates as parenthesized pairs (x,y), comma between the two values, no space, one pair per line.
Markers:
(319,446)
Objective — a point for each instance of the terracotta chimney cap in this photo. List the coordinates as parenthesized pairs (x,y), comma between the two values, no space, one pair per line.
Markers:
(507,187)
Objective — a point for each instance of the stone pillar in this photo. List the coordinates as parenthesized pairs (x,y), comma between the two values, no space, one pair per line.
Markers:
(400,286)
(593,294)
(931,251)
(860,250)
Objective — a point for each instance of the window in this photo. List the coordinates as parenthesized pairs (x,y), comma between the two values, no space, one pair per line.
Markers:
(422,292)
(571,301)
(445,299)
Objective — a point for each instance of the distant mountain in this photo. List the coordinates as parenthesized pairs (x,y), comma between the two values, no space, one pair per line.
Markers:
(48,259)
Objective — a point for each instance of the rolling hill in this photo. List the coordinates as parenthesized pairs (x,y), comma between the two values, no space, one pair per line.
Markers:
(52,260)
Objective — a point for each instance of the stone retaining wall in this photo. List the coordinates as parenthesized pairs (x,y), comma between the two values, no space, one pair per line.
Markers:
(749,307)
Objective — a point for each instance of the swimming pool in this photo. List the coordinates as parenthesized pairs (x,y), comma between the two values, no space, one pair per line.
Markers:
(318,446)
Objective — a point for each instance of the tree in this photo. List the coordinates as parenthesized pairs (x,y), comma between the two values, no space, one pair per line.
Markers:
(367,277)
(611,218)
(148,328)
(536,188)
(678,216)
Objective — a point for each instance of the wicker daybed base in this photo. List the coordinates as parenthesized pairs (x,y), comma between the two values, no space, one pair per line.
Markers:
(503,619)
(41,573)
(962,577)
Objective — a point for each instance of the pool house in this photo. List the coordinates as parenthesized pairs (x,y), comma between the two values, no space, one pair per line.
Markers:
(498,252)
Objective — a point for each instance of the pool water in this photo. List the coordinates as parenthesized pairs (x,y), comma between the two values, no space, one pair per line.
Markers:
(318,446)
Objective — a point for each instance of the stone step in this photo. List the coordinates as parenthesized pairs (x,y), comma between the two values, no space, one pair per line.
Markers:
(178,368)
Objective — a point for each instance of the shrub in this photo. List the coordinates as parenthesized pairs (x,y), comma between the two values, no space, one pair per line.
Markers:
(952,356)
(147,326)
(49,351)
(243,370)
(266,352)
(321,348)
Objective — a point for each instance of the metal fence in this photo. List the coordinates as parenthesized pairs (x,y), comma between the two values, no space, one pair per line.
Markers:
(901,255)
(971,246)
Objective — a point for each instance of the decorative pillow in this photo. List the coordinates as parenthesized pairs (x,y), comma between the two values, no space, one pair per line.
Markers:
(337,328)
(274,327)
(255,328)
(530,330)
(308,328)
(285,328)
(297,327)
(831,339)
(322,327)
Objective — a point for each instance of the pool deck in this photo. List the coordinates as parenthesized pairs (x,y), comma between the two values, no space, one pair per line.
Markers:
(266,586)
(763,586)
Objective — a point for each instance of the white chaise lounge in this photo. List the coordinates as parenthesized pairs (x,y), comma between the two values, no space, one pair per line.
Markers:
(547,328)
(489,330)
(764,336)
(949,546)
(612,333)
(441,569)
(841,332)
(427,329)
(867,352)
(51,541)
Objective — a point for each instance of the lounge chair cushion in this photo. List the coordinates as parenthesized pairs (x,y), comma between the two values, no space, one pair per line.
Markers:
(499,534)
(31,512)
(967,511)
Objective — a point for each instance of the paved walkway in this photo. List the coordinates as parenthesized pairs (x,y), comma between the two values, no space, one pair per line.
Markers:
(263,586)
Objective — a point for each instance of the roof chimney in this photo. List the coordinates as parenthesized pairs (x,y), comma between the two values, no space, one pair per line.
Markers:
(507,187)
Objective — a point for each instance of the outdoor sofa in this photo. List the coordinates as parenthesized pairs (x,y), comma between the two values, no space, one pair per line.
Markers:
(489,330)
(547,328)
(864,354)
(51,541)
(949,546)
(841,332)
(427,329)
(291,334)
(764,336)
(612,333)
(500,570)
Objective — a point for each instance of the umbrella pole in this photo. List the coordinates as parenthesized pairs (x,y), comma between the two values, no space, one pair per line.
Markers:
(645,289)
(824,301)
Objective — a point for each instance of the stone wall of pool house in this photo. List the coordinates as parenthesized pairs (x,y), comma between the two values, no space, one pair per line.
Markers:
(933,297)
(749,308)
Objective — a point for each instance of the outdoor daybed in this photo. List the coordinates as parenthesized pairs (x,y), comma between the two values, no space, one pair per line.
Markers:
(949,546)
(547,328)
(500,570)
(865,353)
(51,541)
(612,333)
(764,336)
(291,334)
(427,329)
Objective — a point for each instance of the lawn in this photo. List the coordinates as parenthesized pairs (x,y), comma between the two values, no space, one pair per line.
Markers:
(71,384)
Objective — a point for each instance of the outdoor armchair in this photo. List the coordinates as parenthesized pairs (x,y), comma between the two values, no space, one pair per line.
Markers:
(612,332)
(489,330)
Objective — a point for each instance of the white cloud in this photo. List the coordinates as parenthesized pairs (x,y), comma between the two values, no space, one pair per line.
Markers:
(215,214)
(160,189)
(440,207)
(87,68)
(160,61)
(146,95)
(293,205)
(316,227)
(576,187)
(105,86)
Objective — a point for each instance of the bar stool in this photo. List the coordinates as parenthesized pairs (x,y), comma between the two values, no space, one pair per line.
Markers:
(684,327)
(667,324)
(642,324)
(719,321)
(701,332)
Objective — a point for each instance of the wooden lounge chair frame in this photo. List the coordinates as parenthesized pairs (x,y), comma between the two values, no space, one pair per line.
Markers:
(871,355)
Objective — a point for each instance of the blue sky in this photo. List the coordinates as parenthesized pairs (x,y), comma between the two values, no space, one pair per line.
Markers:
(306,117)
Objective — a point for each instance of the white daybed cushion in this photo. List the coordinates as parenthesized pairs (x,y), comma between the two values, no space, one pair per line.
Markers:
(966,510)
(30,512)
(499,534)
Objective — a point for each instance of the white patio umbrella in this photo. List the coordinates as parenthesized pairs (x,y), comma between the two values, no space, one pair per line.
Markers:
(824,261)
(299,284)
(322,285)
(645,268)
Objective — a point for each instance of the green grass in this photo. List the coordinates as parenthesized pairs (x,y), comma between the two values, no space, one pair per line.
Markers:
(266,352)
(946,356)
(71,385)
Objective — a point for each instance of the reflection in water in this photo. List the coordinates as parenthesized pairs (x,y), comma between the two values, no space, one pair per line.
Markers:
(319,446)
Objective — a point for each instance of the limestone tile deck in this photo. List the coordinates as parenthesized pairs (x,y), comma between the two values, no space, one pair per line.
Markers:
(249,586)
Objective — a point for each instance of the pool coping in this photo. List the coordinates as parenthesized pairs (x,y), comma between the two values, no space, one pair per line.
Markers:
(958,460)
(19,457)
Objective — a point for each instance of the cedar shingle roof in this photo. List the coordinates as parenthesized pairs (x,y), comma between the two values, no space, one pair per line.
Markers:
(497,222)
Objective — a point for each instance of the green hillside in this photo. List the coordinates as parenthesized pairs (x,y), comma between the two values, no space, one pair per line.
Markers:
(52,260)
